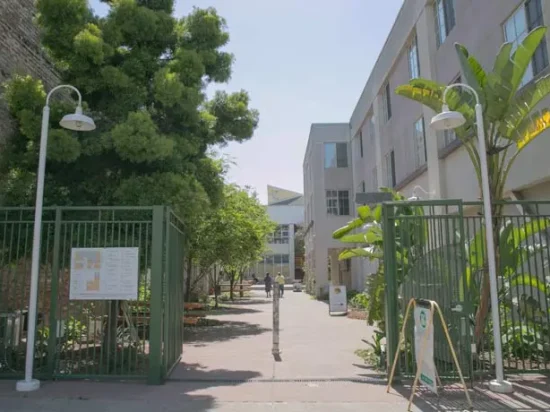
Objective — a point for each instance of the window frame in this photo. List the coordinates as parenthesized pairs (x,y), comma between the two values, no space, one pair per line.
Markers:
(387,101)
(335,164)
(536,67)
(391,178)
(361,150)
(414,60)
(419,162)
(445,19)
(337,196)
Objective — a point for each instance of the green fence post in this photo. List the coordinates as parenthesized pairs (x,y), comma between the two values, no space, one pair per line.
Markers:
(155,376)
(391,309)
(52,339)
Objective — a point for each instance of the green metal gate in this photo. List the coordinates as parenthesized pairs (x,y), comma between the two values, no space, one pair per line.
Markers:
(425,258)
(89,339)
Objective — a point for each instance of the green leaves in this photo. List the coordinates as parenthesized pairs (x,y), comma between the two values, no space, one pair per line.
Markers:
(369,253)
(137,140)
(354,224)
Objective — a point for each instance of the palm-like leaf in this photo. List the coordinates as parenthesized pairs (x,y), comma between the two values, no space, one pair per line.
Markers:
(354,224)
(473,72)
(531,127)
(523,104)
(521,58)
(368,252)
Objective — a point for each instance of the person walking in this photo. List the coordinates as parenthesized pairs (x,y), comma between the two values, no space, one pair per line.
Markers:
(268,283)
(280,280)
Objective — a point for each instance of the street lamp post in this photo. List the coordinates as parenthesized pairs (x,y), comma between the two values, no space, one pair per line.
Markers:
(77,122)
(450,120)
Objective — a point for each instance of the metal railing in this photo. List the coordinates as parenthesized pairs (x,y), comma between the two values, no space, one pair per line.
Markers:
(92,338)
(439,254)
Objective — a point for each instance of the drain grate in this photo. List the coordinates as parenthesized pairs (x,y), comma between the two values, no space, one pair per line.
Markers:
(370,379)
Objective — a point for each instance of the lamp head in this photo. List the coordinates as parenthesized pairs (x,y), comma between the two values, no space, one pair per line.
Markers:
(447,119)
(77,121)
(413,198)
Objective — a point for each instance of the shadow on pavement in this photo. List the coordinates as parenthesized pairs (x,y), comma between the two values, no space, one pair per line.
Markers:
(227,330)
(233,310)
(202,378)
(532,396)
(243,302)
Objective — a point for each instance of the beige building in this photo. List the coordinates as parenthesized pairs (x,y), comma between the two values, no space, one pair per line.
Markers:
(390,142)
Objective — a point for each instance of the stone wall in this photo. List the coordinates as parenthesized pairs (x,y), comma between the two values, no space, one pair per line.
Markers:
(20,51)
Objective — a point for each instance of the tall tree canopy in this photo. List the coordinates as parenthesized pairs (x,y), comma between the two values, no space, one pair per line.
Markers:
(143,74)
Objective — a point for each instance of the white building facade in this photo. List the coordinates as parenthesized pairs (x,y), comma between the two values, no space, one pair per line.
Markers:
(389,141)
(286,208)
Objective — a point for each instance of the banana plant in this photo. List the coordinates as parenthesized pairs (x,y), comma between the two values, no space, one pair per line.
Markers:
(369,243)
(511,118)
(519,246)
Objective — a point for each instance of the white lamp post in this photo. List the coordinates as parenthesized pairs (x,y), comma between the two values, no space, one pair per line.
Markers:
(451,120)
(415,196)
(78,122)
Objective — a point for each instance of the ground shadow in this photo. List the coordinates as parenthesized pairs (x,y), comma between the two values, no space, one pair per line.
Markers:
(202,378)
(233,310)
(528,396)
(243,302)
(138,397)
(227,330)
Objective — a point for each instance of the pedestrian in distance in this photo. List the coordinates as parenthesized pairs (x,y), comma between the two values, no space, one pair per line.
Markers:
(268,283)
(280,280)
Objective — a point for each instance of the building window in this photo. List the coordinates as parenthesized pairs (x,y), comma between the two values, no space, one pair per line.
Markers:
(280,236)
(421,155)
(414,62)
(337,202)
(444,19)
(336,155)
(363,188)
(372,132)
(387,101)
(449,135)
(518,26)
(390,169)
(361,143)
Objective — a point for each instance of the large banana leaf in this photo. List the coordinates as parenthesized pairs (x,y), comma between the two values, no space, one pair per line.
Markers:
(523,104)
(529,281)
(521,58)
(472,71)
(373,234)
(529,229)
(531,127)
(426,92)
(364,212)
(368,252)
(354,224)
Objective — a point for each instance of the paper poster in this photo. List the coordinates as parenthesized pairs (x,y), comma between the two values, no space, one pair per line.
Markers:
(104,273)
(338,299)
(423,331)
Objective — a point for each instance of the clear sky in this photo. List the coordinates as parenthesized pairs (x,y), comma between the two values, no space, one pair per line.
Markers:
(302,61)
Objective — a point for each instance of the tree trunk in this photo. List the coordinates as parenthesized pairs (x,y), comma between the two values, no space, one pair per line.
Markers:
(188,278)
(241,294)
(215,288)
(232,279)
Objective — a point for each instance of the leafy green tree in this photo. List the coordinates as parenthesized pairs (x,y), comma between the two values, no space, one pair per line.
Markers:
(236,232)
(511,118)
(143,75)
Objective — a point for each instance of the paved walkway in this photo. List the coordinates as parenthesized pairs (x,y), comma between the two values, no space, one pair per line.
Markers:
(230,369)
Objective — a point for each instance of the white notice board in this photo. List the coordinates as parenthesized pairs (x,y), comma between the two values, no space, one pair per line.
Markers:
(338,299)
(104,273)
(424,340)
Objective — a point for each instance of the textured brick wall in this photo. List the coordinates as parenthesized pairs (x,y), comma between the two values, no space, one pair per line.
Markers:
(20,51)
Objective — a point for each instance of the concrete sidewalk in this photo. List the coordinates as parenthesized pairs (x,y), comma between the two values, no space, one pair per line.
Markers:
(230,368)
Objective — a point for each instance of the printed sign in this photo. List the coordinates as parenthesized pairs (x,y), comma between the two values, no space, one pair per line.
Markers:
(104,273)
(423,330)
(338,301)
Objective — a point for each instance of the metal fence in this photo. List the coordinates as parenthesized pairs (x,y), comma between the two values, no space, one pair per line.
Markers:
(438,253)
(94,339)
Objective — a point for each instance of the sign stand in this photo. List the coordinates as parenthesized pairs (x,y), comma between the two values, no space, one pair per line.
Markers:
(337,300)
(426,335)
